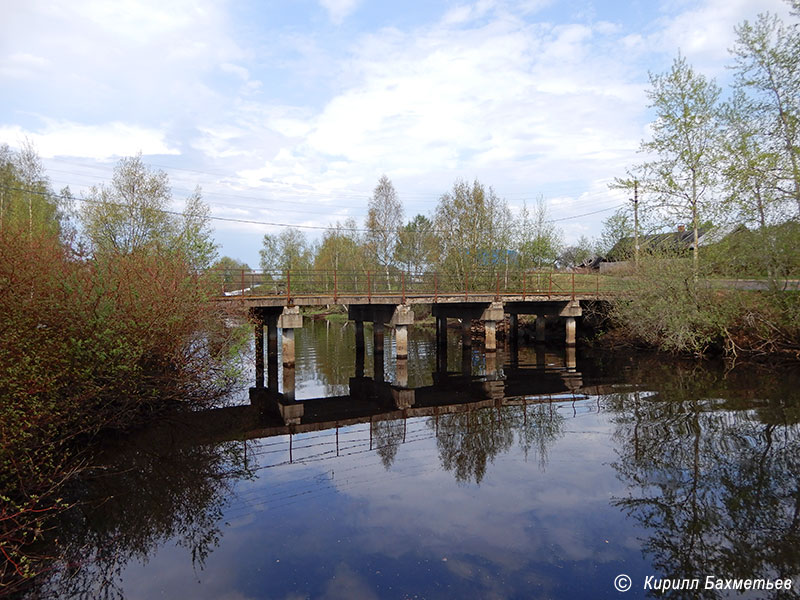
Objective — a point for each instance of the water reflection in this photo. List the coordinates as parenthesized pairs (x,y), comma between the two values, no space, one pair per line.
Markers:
(544,474)
(144,491)
(713,465)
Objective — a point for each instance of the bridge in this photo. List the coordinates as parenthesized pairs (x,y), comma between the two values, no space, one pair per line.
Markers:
(274,298)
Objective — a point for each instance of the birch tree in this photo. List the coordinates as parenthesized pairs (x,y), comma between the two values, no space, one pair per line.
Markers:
(767,69)
(682,173)
(384,219)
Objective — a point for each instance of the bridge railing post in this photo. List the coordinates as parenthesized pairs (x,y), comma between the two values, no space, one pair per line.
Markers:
(369,287)
(573,285)
(403,285)
(288,287)
(466,286)
(524,285)
(335,287)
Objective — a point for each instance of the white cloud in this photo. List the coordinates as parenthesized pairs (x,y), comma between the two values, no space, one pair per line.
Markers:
(705,32)
(338,10)
(101,142)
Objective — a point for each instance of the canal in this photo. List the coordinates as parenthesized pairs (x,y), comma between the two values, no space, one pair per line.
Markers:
(537,475)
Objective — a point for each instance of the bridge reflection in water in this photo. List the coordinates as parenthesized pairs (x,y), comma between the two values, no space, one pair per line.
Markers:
(543,377)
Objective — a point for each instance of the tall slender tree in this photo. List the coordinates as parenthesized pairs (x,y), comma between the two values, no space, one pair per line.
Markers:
(767,69)
(682,173)
(384,219)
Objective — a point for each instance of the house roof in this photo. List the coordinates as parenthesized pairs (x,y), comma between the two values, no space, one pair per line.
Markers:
(675,242)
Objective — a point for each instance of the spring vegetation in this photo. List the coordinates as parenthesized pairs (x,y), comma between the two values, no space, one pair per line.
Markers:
(98,332)
(105,318)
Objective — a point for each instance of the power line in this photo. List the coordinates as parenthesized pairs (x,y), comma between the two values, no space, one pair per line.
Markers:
(267,223)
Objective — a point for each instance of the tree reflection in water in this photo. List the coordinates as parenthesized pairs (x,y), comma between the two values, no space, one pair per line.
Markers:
(715,482)
(141,495)
(468,441)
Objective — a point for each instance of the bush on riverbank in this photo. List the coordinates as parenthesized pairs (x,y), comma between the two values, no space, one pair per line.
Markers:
(671,309)
(87,346)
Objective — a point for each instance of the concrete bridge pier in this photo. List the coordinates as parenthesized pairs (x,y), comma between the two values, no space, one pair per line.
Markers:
(570,321)
(490,317)
(266,317)
(402,317)
(513,329)
(289,320)
(259,351)
(360,348)
(466,333)
(401,372)
(540,329)
(441,344)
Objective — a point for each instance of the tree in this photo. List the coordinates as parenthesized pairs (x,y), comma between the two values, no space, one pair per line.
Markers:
(130,213)
(473,229)
(576,253)
(615,228)
(538,241)
(286,251)
(195,238)
(416,247)
(26,199)
(682,174)
(767,70)
(340,249)
(384,219)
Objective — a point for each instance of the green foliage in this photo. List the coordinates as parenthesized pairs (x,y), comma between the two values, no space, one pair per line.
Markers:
(416,247)
(132,214)
(289,250)
(672,310)
(473,227)
(766,66)
(537,241)
(383,222)
(26,201)
(88,345)
(680,177)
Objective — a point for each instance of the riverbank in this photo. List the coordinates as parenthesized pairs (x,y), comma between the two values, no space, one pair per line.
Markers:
(90,346)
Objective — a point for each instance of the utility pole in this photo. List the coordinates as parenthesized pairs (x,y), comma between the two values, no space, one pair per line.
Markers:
(636,223)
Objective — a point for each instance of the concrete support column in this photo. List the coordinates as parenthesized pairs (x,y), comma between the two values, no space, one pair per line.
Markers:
(491,365)
(288,382)
(359,336)
(377,337)
(540,322)
(401,372)
(466,360)
(441,331)
(441,344)
(541,357)
(466,333)
(570,331)
(401,341)
(272,342)
(377,349)
(571,359)
(272,354)
(259,335)
(513,328)
(359,348)
(287,346)
(490,327)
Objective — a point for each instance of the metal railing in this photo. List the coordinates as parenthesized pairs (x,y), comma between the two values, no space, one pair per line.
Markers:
(292,284)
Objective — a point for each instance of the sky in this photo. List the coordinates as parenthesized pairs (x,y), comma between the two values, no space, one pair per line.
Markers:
(287,113)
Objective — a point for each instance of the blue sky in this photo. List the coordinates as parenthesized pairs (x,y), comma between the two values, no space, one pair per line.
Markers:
(289,112)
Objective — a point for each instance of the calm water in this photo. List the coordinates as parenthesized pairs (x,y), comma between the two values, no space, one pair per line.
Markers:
(533,477)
